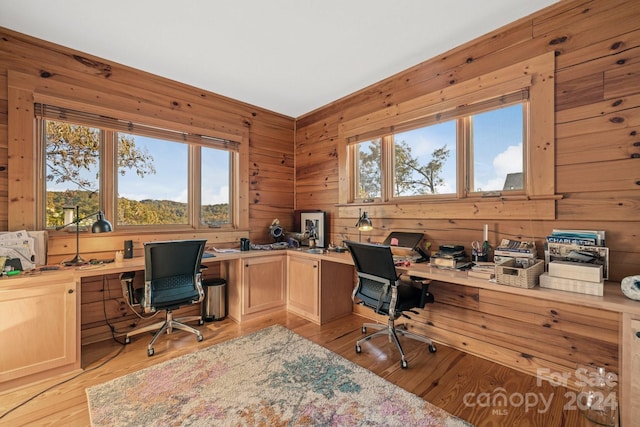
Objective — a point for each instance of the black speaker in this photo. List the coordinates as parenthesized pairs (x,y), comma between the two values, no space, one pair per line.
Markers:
(128,248)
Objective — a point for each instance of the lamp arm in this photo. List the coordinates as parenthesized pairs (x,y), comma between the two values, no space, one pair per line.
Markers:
(77,221)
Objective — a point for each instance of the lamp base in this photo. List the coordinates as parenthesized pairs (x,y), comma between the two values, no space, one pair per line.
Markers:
(77,260)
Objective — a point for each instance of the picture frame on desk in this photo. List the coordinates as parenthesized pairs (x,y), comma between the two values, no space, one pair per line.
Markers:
(313,221)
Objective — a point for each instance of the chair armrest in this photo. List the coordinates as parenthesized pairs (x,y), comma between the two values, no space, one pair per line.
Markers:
(423,285)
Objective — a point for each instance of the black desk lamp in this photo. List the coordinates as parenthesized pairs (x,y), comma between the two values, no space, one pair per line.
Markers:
(363,224)
(100,226)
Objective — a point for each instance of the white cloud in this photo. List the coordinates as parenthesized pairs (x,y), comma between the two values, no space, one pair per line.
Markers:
(215,195)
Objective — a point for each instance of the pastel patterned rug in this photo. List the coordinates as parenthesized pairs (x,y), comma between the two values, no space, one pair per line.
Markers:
(273,377)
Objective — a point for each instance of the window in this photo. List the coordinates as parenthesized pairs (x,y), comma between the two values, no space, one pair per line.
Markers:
(477,149)
(141,178)
(152,181)
(426,159)
(368,164)
(496,140)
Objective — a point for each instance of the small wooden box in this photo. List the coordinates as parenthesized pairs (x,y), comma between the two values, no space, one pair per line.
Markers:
(508,274)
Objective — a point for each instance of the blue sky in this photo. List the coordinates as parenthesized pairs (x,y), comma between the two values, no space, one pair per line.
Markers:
(170,160)
(170,181)
(498,143)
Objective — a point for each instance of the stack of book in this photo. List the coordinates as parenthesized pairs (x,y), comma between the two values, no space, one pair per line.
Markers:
(482,270)
(450,257)
(522,252)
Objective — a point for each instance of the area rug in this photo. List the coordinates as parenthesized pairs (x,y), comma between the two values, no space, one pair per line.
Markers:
(270,378)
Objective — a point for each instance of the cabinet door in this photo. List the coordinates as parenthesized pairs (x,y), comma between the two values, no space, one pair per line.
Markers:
(263,283)
(38,328)
(303,289)
(633,353)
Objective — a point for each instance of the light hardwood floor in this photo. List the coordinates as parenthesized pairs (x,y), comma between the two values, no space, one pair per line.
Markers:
(443,378)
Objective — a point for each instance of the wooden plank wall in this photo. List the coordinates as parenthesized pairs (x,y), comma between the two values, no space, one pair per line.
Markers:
(597,48)
(103,306)
(270,135)
(541,338)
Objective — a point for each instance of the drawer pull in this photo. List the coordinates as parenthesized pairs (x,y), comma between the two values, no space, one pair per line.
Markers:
(70,291)
(638,335)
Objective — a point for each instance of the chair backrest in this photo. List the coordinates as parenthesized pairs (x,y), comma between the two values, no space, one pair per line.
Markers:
(374,260)
(377,277)
(172,273)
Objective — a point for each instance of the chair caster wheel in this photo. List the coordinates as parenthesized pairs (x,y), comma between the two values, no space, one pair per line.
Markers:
(200,338)
(150,352)
(127,340)
(358,349)
(432,348)
(404,364)
(201,322)
(364,330)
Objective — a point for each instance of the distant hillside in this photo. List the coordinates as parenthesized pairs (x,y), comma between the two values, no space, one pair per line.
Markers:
(131,212)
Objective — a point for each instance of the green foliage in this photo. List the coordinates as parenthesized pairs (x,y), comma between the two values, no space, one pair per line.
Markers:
(132,212)
(410,177)
(370,169)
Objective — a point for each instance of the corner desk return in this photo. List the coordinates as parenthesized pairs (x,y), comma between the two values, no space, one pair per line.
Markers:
(41,317)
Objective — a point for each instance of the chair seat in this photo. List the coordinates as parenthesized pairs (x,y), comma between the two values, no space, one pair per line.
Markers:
(371,291)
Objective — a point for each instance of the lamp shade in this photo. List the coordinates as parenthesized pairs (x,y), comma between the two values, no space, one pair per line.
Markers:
(364,223)
(101,225)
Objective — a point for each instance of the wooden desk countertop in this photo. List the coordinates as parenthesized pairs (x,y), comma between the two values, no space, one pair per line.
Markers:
(612,300)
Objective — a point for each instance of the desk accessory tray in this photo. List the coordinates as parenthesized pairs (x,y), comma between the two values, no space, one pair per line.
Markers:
(508,274)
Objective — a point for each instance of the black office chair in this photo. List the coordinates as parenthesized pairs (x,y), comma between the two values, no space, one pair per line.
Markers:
(379,288)
(172,280)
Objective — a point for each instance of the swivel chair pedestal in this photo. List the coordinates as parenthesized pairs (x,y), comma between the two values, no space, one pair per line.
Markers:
(168,325)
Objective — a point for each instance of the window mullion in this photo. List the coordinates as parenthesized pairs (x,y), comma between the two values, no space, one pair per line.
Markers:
(465,159)
(108,173)
(194,203)
(387,166)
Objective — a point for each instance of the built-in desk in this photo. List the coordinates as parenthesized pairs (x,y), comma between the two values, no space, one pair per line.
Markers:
(543,332)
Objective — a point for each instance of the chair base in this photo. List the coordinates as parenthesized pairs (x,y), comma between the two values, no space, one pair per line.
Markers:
(392,331)
(168,325)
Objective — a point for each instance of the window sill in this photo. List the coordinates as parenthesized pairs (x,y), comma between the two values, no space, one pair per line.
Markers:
(518,207)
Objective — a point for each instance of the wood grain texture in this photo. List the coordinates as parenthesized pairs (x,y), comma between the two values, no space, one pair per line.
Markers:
(449,378)
(597,132)
(55,73)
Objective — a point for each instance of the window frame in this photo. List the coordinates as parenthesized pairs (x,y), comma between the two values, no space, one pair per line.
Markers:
(109,173)
(535,76)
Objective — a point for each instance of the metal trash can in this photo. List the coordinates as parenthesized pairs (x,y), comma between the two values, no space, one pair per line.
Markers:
(214,306)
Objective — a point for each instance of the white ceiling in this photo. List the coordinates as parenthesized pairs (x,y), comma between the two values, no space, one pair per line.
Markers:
(289,56)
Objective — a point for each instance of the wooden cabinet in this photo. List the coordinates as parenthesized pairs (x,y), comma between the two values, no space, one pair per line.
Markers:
(263,284)
(319,289)
(629,380)
(303,291)
(38,328)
